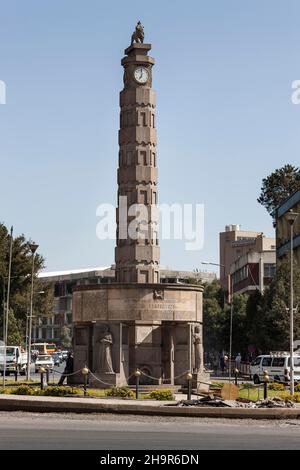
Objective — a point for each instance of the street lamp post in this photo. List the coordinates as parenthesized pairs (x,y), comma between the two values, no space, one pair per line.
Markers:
(291,217)
(221,266)
(5,318)
(230,333)
(33,247)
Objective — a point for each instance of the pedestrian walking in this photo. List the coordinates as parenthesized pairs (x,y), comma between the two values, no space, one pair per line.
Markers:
(222,362)
(68,368)
(238,360)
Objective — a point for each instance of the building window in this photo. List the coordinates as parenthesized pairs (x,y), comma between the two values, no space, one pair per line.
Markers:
(240,274)
(69,287)
(60,289)
(44,333)
(269,270)
(56,333)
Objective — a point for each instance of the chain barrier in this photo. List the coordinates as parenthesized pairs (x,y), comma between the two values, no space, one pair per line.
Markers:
(99,380)
(201,382)
(158,378)
(66,375)
(130,376)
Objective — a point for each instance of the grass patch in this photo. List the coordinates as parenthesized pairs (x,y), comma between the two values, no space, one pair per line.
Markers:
(21,382)
(256,393)
(217,385)
(96,393)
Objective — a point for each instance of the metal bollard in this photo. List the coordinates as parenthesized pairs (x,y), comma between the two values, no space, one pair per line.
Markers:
(47,376)
(42,371)
(137,383)
(236,373)
(266,381)
(189,377)
(85,372)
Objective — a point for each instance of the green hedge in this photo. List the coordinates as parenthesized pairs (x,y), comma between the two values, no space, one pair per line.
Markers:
(287,396)
(54,391)
(59,391)
(163,394)
(123,392)
(25,390)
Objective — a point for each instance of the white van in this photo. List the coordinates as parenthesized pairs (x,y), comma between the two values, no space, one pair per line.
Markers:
(277,364)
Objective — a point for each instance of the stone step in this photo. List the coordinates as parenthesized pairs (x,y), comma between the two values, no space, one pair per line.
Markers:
(150,388)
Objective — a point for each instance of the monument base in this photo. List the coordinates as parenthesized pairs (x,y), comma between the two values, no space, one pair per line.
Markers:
(156,328)
(201,381)
(106,380)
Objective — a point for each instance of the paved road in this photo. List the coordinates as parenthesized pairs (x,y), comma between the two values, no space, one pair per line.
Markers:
(116,432)
(54,377)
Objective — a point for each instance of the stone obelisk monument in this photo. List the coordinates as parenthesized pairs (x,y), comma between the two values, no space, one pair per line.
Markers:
(137,322)
(137,257)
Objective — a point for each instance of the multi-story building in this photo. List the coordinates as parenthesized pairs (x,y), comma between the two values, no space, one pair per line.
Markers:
(236,243)
(48,328)
(283,234)
(253,271)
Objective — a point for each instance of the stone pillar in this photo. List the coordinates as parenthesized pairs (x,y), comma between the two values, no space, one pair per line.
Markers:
(137,258)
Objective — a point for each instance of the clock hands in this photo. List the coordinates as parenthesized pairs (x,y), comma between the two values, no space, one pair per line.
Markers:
(141,74)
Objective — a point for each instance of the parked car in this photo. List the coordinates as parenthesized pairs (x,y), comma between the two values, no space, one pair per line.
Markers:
(65,354)
(278,366)
(60,355)
(56,359)
(45,361)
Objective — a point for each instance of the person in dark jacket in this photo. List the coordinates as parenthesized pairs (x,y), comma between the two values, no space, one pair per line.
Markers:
(68,369)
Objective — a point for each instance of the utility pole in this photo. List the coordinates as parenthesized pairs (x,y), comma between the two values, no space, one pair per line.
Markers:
(33,248)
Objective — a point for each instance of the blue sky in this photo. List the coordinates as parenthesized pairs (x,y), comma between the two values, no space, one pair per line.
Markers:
(225,118)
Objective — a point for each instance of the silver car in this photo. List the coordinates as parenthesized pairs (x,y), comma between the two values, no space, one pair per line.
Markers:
(44,360)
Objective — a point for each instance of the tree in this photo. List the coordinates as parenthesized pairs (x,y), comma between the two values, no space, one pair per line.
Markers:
(278,186)
(239,332)
(276,312)
(21,282)
(254,322)
(213,316)
(14,333)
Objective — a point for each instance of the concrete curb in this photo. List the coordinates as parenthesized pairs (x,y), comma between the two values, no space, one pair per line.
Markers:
(87,405)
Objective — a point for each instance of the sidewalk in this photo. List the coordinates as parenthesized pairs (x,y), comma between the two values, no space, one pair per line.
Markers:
(136,407)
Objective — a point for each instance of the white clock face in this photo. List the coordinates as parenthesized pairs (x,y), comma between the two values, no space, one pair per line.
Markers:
(141,75)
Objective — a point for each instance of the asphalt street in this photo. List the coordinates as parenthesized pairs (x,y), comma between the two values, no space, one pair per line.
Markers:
(117,432)
(54,376)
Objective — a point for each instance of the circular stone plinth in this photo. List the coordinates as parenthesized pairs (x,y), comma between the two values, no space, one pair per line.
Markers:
(133,302)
